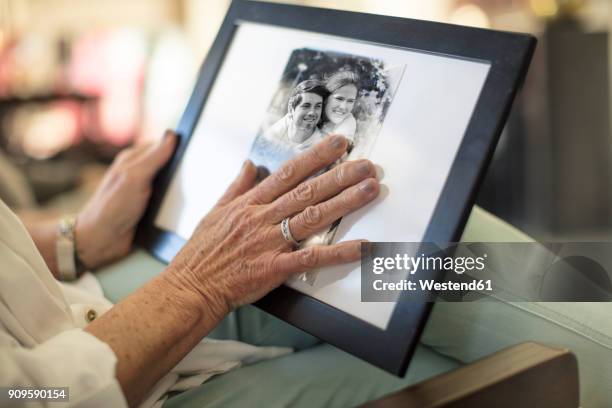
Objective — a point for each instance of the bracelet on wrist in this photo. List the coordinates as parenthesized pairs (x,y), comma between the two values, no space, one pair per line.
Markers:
(69,264)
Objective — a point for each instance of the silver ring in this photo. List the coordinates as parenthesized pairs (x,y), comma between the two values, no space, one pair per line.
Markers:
(284,225)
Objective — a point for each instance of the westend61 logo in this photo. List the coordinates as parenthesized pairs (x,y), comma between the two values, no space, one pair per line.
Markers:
(515,272)
(423,270)
(431,265)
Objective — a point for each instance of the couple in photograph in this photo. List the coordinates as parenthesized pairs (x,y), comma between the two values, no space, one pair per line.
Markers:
(315,110)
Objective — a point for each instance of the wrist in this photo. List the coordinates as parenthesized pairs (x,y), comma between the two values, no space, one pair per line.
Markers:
(195,295)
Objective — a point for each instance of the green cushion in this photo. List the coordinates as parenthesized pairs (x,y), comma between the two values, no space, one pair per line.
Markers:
(321,376)
(124,277)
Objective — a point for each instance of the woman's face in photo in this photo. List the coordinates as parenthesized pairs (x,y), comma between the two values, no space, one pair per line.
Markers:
(340,103)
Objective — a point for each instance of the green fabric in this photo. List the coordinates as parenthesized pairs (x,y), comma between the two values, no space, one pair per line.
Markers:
(321,376)
(124,277)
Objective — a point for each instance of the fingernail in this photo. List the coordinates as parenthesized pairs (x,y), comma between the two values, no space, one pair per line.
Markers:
(167,134)
(244,165)
(380,173)
(262,173)
(367,187)
(365,168)
(338,142)
(366,247)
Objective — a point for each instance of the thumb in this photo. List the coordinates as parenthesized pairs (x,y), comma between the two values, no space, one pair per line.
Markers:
(158,155)
(245,181)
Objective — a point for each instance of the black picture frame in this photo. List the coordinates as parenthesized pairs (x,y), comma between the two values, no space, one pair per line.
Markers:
(509,55)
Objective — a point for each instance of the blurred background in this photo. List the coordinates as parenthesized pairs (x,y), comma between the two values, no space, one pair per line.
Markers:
(79,80)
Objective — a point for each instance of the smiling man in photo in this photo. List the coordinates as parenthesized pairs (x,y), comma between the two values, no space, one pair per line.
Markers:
(298,130)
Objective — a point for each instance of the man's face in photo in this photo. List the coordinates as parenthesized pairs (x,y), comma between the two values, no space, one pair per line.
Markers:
(305,116)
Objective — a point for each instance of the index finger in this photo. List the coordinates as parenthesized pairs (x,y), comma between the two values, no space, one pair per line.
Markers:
(299,168)
(306,259)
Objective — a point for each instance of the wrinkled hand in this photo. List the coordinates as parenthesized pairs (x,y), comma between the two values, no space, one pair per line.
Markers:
(105,227)
(238,254)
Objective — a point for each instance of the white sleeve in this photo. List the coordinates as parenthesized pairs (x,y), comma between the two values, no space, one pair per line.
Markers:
(39,344)
(73,359)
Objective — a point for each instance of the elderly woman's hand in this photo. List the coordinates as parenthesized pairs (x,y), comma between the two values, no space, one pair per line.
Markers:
(237,253)
(105,227)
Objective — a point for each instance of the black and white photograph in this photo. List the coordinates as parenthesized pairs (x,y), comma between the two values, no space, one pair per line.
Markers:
(323,93)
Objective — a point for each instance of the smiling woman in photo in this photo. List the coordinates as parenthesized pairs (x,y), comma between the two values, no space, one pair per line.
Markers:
(338,114)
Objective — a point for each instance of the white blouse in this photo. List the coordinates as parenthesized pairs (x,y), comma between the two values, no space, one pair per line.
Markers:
(42,343)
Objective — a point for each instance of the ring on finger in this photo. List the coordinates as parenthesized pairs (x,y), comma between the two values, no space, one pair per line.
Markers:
(286,231)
